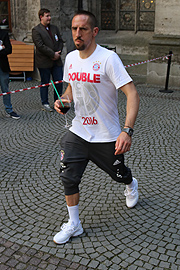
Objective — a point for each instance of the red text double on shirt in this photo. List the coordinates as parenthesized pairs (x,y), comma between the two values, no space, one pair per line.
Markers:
(84,77)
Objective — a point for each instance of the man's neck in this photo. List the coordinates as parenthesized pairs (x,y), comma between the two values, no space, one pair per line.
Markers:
(86,53)
(45,25)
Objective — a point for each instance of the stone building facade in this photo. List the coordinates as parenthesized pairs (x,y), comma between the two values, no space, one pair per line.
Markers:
(139,29)
(166,38)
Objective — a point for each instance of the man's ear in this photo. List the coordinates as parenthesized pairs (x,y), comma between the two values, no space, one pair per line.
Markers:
(95,31)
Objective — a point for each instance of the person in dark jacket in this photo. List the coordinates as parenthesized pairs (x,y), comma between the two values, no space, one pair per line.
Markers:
(49,45)
(5,49)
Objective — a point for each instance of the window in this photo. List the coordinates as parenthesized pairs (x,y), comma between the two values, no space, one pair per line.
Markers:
(127,15)
(135,15)
(146,15)
(5,14)
(108,12)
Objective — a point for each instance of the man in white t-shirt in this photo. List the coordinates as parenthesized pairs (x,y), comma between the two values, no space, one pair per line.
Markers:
(94,75)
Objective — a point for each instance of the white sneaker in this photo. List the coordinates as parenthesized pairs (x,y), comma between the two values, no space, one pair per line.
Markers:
(46,107)
(132,194)
(68,230)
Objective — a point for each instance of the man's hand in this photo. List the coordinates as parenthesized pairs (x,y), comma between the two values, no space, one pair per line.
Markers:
(2,47)
(57,103)
(123,143)
(57,55)
(58,106)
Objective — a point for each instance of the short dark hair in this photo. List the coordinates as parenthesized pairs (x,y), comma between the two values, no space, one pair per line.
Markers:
(93,20)
(42,11)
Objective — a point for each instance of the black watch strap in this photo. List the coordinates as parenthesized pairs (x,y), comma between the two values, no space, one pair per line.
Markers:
(128,130)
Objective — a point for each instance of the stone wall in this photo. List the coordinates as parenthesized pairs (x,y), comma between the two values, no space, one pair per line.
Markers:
(67,10)
(166,38)
(167,20)
(157,70)
(24,17)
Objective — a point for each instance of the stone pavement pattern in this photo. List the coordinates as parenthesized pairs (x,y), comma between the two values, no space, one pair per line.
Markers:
(32,200)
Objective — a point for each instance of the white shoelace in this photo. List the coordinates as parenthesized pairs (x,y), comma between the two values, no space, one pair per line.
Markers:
(68,227)
(130,191)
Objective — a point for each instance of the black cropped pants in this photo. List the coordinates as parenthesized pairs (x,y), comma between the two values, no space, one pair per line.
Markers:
(75,154)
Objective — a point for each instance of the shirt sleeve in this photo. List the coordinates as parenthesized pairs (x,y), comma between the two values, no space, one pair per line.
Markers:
(116,71)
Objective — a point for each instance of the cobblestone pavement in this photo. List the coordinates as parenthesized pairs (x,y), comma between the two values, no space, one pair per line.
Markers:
(32,201)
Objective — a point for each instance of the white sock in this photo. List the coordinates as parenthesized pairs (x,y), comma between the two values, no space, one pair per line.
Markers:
(131,185)
(74,214)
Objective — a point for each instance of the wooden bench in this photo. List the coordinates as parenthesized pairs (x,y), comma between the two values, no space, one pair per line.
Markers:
(21,59)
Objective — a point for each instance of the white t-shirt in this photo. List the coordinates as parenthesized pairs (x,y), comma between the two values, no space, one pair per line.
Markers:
(94,83)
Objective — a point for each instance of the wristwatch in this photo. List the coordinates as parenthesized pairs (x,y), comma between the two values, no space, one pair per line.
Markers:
(128,130)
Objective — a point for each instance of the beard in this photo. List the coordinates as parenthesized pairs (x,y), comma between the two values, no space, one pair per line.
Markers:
(80,47)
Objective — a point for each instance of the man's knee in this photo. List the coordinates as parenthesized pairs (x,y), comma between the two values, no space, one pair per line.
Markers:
(125,178)
(70,187)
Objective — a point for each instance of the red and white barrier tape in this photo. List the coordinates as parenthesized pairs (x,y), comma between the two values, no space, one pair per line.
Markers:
(29,88)
(47,84)
(147,61)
